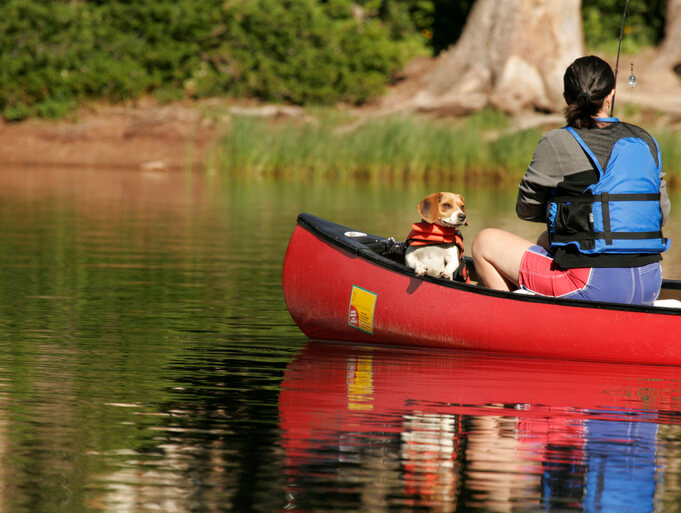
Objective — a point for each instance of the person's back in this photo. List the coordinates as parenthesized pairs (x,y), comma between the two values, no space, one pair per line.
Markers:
(597,184)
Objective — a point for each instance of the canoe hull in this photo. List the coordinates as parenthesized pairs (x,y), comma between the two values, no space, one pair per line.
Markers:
(334,292)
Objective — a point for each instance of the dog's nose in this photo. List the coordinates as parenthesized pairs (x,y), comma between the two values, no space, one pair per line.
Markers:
(461,216)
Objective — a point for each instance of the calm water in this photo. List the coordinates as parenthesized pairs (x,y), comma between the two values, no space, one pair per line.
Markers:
(149,364)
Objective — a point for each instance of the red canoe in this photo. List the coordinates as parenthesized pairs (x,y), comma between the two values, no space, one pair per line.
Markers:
(339,285)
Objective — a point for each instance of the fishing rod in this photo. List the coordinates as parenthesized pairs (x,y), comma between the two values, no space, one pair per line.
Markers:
(617,64)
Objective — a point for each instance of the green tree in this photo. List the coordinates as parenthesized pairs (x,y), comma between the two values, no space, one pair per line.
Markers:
(603,19)
(56,54)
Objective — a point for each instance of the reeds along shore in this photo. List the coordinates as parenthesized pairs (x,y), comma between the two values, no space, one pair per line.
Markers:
(327,144)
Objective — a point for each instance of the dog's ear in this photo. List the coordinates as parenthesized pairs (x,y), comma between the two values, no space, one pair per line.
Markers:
(428,208)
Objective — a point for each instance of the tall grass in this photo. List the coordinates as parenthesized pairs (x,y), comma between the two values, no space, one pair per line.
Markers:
(398,148)
(670,147)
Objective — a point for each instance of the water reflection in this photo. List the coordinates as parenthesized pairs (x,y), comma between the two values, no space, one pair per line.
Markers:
(372,429)
(144,339)
(208,443)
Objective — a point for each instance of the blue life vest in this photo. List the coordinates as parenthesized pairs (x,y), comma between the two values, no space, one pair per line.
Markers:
(619,214)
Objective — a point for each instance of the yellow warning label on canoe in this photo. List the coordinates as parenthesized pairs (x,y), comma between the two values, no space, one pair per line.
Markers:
(361,313)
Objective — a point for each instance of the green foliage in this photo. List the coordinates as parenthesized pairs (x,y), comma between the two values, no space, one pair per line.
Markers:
(602,21)
(294,51)
(670,146)
(56,54)
(480,147)
(394,148)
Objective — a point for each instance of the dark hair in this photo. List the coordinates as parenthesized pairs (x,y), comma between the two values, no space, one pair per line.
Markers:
(586,83)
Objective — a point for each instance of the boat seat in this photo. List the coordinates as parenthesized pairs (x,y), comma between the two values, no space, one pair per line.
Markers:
(662,303)
(668,303)
(524,291)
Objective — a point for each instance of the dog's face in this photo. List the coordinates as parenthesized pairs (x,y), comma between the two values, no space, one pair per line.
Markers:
(443,208)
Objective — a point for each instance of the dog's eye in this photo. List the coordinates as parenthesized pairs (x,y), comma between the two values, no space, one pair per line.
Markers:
(446,205)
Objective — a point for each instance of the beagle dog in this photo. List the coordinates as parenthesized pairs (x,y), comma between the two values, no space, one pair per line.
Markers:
(435,244)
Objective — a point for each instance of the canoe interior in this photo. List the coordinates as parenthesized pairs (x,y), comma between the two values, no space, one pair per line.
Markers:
(390,254)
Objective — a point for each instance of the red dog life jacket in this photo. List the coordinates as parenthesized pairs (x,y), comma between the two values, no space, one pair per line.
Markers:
(425,234)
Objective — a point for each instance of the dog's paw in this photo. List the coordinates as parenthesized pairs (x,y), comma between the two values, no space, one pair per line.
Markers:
(447,275)
(420,270)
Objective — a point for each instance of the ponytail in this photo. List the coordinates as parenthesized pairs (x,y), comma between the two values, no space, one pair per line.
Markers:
(586,84)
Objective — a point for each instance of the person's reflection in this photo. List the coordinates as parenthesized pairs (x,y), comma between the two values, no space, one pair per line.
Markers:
(622,467)
(499,476)
(596,464)
(555,437)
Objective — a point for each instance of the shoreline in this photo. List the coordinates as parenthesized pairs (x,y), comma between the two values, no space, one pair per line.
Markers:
(139,136)
(145,135)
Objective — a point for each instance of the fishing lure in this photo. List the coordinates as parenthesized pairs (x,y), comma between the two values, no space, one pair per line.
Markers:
(632,80)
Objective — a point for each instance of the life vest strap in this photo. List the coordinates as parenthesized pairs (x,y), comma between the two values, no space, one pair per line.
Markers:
(585,198)
(555,237)
(605,199)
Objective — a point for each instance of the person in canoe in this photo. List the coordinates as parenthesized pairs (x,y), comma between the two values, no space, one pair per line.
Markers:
(598,185)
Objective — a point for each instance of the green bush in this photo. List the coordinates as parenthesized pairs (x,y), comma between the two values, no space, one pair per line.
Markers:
(298,52)
(602,22)
(56,54)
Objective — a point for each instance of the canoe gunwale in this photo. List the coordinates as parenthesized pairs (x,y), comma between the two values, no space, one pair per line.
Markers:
(334,234)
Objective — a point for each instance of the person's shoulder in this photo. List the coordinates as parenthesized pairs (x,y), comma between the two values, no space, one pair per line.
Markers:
(557,135)
(560,139)
(631,130)
(630,126)
(635,130)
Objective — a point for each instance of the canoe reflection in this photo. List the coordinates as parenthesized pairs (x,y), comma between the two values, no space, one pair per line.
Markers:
(374,429)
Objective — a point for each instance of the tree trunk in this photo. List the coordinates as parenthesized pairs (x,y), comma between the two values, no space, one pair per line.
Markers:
(669,53)
(660,73)
(512,54)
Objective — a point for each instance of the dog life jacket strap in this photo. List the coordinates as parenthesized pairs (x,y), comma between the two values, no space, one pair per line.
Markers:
(462,271)
(428,234)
